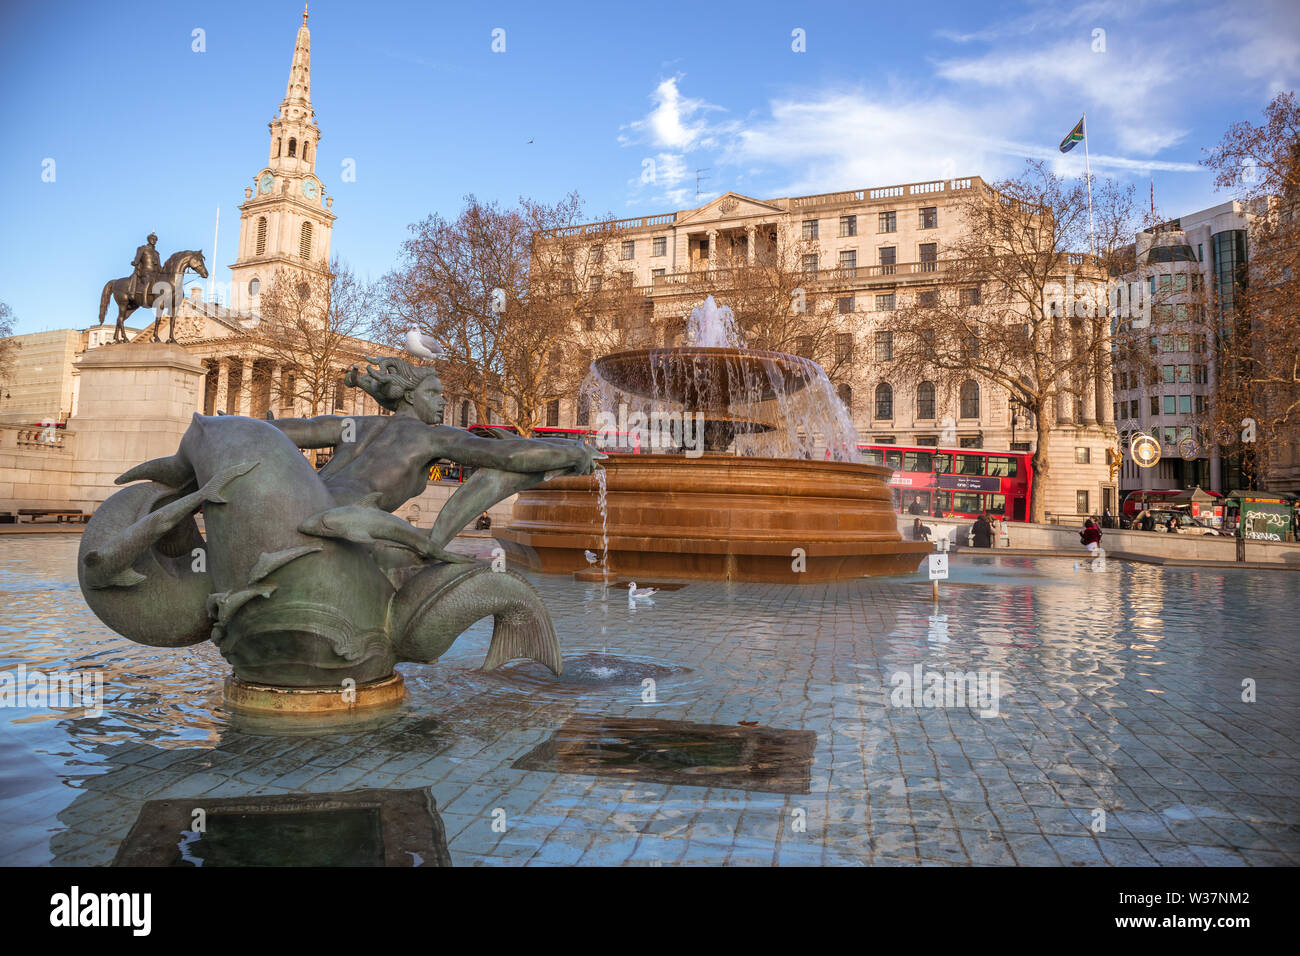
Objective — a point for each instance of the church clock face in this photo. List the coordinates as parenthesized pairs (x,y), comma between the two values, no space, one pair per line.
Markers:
(310,189)
(264,184)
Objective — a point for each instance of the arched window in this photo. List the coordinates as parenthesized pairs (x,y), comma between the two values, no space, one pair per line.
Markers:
(304,241)
(306,147)
(925,400)
(261,235)
(277,147)
(293,148)
(464,414)
(254,286)
(884,400)
(970,399)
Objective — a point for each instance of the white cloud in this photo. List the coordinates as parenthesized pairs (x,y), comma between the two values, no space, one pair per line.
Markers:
(676,122)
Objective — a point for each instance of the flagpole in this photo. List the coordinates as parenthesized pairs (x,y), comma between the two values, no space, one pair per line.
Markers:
(1087,169)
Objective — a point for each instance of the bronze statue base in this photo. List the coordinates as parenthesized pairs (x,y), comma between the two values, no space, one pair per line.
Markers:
(716,517)
(259,700)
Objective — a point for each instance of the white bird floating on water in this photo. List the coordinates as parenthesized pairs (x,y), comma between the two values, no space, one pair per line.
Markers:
(635,593)
(590,556)
(422,345)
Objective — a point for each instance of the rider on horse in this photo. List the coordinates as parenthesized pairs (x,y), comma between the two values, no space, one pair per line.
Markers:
(147,265)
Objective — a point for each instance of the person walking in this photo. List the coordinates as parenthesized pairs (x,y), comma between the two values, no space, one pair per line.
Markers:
(982,531)
(1090,536)
(915,508)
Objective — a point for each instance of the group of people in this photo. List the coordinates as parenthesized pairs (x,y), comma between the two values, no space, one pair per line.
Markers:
(982,532)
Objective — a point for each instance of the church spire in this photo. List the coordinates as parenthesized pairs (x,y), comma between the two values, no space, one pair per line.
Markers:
(297,96)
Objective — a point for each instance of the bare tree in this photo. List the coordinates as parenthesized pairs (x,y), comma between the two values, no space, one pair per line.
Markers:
(309,326)
(1256,410)
(1016,307)
(8,347)
(517,298)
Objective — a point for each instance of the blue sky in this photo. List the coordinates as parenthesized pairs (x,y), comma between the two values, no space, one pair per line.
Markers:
(147,134)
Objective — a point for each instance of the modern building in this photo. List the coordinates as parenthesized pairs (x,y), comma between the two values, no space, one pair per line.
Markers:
(1183,287)
(865,253)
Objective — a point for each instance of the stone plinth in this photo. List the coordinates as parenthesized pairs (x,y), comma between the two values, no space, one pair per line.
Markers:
(135,403)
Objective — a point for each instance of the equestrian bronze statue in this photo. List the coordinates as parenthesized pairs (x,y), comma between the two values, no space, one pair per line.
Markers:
(152,285)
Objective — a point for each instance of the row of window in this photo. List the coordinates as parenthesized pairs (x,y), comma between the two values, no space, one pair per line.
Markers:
(888,256)
(658,247)
(925,404)
(304,239)
(1164,405)
(927,218)
(293,148)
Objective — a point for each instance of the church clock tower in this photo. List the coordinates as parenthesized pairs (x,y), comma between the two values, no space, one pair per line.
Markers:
(285,220)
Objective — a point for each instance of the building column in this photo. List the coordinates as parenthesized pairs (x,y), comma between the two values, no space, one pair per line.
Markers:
(713,249)
(1090,401)
(223,386)
(274,400)
(751,233)
(242,399)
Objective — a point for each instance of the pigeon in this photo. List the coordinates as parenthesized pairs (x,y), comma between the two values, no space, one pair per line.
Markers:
(422,345)
(590,556)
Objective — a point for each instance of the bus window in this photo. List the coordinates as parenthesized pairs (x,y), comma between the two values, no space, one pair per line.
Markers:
(873,456)
(996,504)
(894,460)
(943,463)
(942,502)
(1001,466)
(967,503)
(922,461)
(894,496)
(970,464)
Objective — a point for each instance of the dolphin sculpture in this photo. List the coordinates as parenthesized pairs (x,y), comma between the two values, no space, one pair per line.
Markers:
(282,579)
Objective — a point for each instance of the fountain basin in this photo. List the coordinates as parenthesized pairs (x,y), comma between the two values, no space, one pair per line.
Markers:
(716,517)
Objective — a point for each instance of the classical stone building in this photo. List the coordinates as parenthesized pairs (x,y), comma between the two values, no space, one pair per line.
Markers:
(865,254)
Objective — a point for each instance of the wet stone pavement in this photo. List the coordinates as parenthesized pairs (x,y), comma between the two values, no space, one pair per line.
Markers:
(1101,722)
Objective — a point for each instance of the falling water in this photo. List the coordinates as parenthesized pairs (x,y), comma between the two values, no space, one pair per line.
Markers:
(781,406)
(602,492)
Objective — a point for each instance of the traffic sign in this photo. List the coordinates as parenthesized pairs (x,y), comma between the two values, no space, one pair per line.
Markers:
(938,567)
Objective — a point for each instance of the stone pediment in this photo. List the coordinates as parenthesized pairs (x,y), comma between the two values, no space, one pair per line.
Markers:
(196,324)
(730,206)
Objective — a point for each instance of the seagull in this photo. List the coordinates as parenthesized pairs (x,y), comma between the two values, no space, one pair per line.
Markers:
(529,143)
(590,556)
(423,346)
(635,593)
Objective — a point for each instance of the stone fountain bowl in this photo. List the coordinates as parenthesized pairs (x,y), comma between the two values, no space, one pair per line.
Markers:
(716,517)
(704,377)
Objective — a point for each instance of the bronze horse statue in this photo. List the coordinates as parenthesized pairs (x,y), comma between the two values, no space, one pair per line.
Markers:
(163,294)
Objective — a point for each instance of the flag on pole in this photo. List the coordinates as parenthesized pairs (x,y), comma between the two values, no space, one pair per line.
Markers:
(1072,137)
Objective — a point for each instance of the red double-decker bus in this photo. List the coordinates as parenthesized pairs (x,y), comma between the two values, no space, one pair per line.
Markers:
(956,482)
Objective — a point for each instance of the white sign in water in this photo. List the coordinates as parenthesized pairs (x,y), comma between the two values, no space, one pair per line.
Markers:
(938,567)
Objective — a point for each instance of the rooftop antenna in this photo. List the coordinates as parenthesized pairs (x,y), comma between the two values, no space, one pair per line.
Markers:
(699,179)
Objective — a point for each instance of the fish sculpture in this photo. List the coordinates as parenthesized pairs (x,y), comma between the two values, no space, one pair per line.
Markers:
(285,579)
